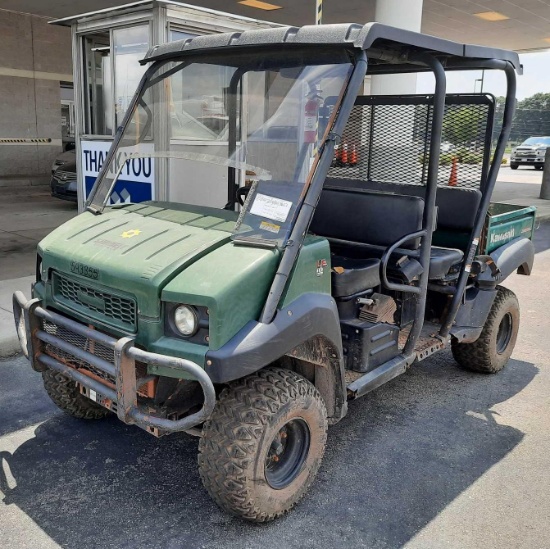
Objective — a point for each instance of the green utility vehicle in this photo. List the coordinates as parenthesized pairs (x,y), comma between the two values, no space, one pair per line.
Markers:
(316,244)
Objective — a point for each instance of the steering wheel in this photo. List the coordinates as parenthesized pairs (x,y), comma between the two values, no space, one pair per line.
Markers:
(241,194)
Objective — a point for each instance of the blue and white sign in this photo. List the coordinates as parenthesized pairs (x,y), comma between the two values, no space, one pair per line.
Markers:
(136,182)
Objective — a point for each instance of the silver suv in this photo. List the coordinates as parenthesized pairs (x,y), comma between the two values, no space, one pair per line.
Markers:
(530,152)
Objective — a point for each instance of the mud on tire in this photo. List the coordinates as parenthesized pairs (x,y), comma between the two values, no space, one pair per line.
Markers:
(255,417)
(65,394)
(492,350)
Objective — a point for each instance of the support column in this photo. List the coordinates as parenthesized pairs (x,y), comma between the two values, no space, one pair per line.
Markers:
(405,14)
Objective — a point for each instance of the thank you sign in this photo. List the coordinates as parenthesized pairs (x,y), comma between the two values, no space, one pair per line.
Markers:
(136,181)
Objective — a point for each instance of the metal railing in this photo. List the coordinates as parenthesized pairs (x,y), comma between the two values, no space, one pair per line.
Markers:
(29,318)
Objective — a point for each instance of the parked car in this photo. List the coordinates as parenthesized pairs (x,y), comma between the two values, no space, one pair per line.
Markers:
(446,147)
(530,152)
(63,159)
(63,183)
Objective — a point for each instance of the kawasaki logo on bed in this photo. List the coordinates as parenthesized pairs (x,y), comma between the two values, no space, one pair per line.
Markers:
(136,182)
(505,236)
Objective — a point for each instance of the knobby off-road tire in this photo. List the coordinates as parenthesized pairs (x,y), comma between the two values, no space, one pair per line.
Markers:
(242,462)
(492,350)
(65,394)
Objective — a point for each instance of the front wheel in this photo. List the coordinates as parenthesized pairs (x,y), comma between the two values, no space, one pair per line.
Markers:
(65,394)
(514,166)
(492,350)
(263,445)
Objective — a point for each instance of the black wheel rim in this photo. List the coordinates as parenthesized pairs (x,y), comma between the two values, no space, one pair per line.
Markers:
(504,333)
(287,453)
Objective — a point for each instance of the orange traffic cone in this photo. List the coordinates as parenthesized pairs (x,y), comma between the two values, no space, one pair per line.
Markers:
(344,155)
(353,159)
(453,180)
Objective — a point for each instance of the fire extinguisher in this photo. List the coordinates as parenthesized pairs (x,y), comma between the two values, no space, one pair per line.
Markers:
(311,112)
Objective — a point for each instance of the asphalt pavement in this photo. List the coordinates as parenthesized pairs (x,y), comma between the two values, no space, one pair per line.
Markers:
(437,458)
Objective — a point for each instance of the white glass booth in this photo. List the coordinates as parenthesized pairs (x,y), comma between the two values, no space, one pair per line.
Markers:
(107,46)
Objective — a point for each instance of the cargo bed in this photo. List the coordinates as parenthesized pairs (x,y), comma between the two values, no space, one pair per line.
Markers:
(505,222)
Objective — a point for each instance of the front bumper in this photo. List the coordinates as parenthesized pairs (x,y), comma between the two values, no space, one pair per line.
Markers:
(114,383)
(65,190)
(527,160)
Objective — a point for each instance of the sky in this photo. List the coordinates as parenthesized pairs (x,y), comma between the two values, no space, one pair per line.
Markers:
(535,78)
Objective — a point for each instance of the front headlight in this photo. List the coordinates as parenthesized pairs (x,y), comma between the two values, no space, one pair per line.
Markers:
(541,152)
(185,320)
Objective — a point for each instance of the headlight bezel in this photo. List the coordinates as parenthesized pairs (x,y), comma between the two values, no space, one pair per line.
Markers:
(38,270)
(202,332)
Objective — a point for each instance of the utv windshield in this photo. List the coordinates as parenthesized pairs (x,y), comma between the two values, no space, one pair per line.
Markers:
(222,131)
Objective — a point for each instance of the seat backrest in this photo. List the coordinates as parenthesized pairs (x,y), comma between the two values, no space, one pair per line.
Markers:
(368,217)
(456,206)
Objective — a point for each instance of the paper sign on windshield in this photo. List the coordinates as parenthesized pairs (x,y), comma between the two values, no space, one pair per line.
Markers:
(271,207)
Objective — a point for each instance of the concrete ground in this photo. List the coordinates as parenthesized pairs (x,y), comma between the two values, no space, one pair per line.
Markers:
(26,217)
(437,458)
(522,187)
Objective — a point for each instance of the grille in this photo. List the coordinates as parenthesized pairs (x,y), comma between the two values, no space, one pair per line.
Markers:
(63,175)
(387,139)
(81,342)
(88,345)
(103,305)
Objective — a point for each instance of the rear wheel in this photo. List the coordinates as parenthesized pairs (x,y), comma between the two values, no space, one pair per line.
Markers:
(263,445)
(65,394)
(492,350)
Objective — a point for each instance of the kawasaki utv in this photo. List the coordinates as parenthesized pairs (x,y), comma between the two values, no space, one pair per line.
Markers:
(310,244)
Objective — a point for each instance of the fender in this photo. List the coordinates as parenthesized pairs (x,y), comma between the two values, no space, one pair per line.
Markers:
(473,313)
(517,255)
(307,327)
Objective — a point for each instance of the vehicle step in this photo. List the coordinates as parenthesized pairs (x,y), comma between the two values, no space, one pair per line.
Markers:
(373,379)
(427,346)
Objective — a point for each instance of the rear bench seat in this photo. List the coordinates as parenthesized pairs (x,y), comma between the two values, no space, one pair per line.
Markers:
(361,225)
(456,207)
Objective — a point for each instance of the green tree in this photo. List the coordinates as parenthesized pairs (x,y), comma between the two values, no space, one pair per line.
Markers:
(532,117)
(463,125)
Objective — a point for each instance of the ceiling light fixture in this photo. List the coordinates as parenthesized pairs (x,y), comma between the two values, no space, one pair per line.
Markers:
(266,6)
(491,16)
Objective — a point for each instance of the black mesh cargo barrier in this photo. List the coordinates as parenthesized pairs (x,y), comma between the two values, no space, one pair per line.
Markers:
(387,139)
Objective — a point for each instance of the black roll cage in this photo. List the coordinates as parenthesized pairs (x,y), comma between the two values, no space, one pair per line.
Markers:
(390,56)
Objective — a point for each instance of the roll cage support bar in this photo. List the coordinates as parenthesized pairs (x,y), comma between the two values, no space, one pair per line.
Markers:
(487,190)
(311,198)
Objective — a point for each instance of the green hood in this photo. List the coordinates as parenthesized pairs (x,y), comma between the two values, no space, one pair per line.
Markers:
(136,249)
